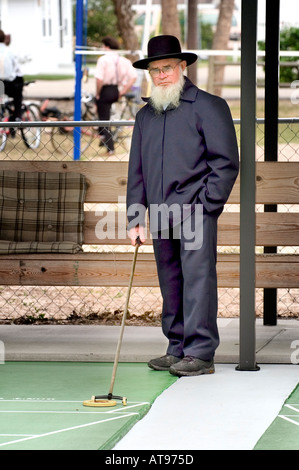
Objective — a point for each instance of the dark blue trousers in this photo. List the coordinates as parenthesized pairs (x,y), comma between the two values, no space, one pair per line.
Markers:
(188,283)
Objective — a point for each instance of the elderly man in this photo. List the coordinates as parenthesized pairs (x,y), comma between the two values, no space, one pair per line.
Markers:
(183,164)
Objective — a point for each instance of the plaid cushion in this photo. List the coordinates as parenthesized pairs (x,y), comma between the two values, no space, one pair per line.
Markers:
(13,248)
(41,207)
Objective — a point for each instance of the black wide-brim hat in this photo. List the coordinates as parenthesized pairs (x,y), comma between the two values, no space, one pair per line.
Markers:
(164,47)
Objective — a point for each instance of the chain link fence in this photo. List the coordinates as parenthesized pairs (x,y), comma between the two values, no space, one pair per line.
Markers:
(105,304)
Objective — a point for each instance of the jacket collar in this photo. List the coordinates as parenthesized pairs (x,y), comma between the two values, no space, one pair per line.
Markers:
(189,92)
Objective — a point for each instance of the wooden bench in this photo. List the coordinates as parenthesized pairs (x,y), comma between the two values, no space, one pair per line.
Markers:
(276,183)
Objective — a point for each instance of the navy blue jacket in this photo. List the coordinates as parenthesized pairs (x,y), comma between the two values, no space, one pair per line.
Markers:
(186,155)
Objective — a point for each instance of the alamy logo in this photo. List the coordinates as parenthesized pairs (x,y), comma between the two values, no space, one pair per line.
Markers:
(295,353)
(186,222)
(295,93)
(2,352)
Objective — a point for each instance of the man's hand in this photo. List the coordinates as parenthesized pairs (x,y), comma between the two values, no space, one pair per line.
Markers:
(137,232)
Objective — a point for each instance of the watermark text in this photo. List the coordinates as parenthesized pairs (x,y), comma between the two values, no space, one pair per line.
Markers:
(179,222)
(2,353)
(295,353)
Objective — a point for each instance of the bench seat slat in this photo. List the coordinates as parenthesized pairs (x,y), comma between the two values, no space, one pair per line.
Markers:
(113,269)
(272,229)
(277,182)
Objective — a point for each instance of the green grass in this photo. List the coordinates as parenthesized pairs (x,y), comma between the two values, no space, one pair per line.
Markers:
(48,77)
(286,109)
(288,133)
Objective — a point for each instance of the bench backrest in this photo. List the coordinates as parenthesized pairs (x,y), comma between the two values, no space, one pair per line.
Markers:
(276,183)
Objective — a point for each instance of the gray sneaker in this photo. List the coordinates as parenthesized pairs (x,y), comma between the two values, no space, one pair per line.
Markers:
(164,362)
(190,366)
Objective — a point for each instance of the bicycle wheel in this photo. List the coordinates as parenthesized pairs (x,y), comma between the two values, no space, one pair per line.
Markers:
(129,110)
(62,137)
(4,131)
(3,138)
(117,110)
(122,110)
(88,134)
(30,135)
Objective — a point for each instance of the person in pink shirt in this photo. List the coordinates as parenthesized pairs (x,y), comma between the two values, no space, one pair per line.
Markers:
(114,76)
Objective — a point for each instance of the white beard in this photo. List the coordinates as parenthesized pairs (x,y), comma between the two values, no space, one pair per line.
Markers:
(163,96)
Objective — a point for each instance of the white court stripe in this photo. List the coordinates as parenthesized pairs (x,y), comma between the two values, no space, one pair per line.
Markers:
(293,408)
(33,400)
(59,412)
(16,435)
(288,419)
(53,401)
(125,408)
(121,410)
(65,430)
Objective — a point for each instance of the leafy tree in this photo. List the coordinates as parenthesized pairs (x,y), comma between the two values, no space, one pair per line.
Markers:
(110,18)
(289,41)
(101,21)
(205,30)
(206,35)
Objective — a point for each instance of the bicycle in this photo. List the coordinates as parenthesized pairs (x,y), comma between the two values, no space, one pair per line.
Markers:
(125,109)
(59,136)
(30,135)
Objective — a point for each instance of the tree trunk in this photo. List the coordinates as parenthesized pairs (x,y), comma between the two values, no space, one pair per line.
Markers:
(192,37)
(170,18)
(220,42)
(125,24)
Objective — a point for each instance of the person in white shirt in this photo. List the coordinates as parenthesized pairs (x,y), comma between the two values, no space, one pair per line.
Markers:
(115,76)
(9,74)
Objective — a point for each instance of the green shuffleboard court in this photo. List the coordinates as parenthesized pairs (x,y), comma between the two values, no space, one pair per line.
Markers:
(283,432)
(41,403)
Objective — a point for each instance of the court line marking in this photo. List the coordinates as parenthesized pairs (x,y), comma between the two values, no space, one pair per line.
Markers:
(288,419)
(72,428)
(52,400)
(292,407)
(121,410)
(57,412)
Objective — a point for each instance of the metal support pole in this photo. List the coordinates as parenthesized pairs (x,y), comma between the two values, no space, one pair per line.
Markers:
(247,360)
(78,78)
(271,127)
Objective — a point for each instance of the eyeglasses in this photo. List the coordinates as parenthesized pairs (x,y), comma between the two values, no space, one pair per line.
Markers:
(167,70)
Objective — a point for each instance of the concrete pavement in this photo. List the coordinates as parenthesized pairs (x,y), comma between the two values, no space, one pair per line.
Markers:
(274,344)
